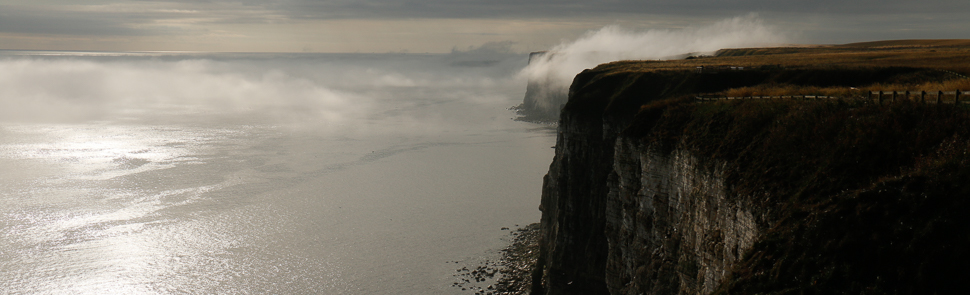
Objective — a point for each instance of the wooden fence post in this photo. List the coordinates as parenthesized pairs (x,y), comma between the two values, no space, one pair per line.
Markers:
(906,95)
(869,96)
(894,96)
(939,97)
(922,96)
(880,96)
(956,99)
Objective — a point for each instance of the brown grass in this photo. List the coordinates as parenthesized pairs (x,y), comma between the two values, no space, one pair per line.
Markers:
(778,90)
(951,55)
(910,43)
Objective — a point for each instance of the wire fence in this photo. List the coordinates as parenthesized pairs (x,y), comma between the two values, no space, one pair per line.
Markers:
(939,97)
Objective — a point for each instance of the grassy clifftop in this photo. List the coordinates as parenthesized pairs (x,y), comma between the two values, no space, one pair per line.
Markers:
(951,55)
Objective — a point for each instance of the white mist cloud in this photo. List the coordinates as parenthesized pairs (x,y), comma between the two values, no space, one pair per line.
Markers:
(78,89)
(340,92)
(556,69)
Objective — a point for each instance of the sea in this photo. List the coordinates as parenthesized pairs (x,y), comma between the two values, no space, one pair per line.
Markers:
(261,173)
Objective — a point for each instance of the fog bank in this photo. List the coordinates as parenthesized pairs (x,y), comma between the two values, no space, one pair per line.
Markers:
(554,71)
(318,89)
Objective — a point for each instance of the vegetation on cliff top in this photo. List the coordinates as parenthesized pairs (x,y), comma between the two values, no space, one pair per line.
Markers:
(949,55)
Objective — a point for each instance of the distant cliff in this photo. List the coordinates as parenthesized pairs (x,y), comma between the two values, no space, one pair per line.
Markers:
(650,192)
(544,96)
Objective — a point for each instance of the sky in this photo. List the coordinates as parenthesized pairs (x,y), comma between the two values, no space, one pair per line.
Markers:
(418,26)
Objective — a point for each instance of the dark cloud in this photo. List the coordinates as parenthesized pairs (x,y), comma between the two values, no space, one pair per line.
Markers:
(572,8)
(138,18)
(30,20)
(161,17)
(341,9)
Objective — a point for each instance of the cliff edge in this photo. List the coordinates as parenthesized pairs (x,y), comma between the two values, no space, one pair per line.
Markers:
(653,192)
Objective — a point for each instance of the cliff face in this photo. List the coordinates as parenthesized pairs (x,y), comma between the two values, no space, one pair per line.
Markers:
(574,246)
(614,214)
(670,225)
(683,198)
(543,96)
(541,103)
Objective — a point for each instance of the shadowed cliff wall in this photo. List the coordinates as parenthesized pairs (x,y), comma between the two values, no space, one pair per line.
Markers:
(670,197)
(602,103)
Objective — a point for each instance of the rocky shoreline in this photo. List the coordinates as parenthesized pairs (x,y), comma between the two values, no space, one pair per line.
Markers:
(513,270)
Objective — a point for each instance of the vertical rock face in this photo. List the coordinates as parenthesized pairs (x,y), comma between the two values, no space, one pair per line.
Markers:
(670,225)
(573,245)
(656,223)
(574,248)
(542,102)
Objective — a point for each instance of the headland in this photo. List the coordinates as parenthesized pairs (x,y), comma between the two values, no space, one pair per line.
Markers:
(763,170)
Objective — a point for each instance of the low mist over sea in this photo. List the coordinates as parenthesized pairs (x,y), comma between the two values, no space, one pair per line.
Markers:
(260,173)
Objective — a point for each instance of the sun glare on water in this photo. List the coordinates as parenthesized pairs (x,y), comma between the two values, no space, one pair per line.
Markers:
(98,208)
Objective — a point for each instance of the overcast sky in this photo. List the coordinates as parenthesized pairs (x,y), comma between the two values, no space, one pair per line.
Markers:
(440,25)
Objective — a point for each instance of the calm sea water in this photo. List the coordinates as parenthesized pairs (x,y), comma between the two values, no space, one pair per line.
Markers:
(157,173)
